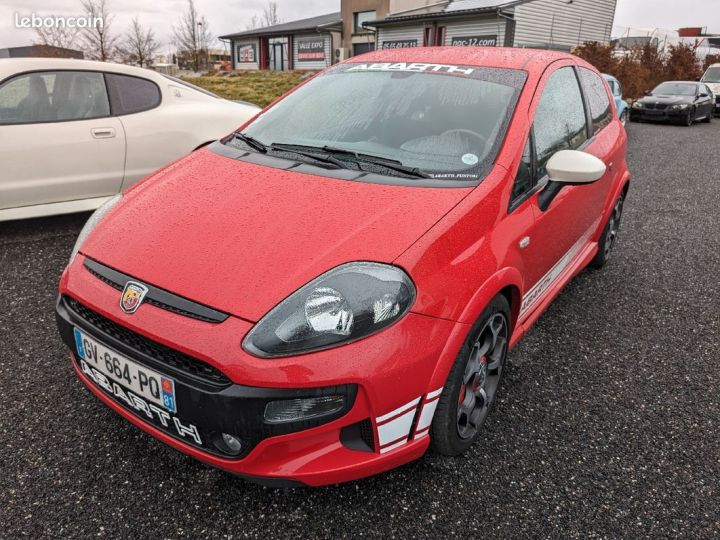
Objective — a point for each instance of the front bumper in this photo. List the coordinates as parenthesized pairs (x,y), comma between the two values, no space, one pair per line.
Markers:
(387,382)
(656,115)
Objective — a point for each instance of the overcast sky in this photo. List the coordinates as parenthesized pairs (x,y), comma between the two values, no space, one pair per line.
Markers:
(227,16)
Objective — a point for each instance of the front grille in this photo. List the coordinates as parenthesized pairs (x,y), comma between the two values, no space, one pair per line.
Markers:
(162,354)
(657,106)
(157,297)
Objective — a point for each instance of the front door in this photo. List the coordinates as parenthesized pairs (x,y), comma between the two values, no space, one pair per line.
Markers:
(564,229)
(59,142)
(278,49)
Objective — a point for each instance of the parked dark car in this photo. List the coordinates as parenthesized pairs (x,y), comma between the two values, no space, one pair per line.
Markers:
(677,101)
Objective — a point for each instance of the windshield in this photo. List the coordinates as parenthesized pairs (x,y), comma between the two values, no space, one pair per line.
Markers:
(712,75)
(676,89)
(448,121)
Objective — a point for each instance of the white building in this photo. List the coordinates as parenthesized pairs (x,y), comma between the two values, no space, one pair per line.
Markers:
(544,24)
(363,25)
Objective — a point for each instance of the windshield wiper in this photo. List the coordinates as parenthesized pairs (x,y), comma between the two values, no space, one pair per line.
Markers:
(388,163)
(297,149)
(250,141)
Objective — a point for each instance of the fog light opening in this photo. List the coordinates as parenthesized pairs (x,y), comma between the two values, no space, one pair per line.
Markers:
(297,410)
(227,444)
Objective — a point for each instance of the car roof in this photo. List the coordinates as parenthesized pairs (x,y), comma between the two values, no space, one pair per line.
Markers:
(498,57)
(10,66)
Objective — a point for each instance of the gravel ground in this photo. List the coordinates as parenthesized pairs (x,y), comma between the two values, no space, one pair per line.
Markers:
(608,424)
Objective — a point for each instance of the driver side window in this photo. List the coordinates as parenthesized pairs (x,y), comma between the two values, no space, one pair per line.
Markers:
(560,120)
(53,96)
(560,124)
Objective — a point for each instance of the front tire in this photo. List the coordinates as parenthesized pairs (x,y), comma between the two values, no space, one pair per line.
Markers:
(608,238)
(689,118)
(471,388)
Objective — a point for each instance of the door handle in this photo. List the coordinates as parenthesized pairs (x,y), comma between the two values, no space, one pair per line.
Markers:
(103,133)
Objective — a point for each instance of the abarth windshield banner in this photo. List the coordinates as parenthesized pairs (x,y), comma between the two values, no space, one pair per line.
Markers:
(414,67)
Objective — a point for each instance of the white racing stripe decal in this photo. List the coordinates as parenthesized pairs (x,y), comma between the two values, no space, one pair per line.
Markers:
(395,428)
(410,405)
(426,415)
(540,288)
(434,394)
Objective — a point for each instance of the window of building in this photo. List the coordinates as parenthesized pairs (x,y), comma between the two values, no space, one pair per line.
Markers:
(130,95)
(53,97)
(363,17)
(361,48)
(560,121)
(598,99)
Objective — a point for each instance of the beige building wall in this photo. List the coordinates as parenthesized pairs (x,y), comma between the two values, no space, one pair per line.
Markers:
(406,5)
(349,8)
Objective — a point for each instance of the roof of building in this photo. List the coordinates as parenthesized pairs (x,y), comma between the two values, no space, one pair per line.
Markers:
(454,8)
(311,23)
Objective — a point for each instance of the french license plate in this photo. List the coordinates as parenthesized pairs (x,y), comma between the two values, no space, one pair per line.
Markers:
(144,382)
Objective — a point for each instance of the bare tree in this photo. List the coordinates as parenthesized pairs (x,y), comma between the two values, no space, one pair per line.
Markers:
(139,45)
(192,36)
(254,23)
(271,16)
(98,41)
(57,36)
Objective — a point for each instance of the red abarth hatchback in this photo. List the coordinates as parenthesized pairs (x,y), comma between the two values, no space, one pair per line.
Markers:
(334,288)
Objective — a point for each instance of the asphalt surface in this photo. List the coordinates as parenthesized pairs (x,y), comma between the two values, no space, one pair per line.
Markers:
(608,424)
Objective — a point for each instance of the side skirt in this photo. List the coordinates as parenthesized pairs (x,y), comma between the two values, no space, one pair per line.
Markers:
(528,319)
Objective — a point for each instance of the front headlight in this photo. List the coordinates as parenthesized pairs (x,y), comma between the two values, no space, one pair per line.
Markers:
(637,105)
(91,223)
(680,107)
(347,303)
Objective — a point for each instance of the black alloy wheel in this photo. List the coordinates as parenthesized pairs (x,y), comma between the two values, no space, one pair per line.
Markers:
(471,388)
(690,117)
(608,239)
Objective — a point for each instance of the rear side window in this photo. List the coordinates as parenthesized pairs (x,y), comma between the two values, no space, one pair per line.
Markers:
(130,95)
(560,121)
(53,96)
(598,99)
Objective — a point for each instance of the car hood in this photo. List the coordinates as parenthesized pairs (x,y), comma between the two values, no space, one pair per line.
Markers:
(240,237)
(667,99)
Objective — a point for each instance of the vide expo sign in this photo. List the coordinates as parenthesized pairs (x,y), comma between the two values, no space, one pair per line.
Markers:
(311,50)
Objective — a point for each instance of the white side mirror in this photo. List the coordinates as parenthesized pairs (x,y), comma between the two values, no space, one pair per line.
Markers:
(575,167)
